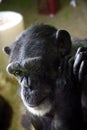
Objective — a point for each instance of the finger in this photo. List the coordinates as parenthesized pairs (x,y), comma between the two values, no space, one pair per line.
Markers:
(81,49)
(77,63)
(79,58)
(82,71)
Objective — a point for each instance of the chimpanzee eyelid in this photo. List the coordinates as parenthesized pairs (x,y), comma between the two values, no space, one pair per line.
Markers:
(12,68)
(7,69)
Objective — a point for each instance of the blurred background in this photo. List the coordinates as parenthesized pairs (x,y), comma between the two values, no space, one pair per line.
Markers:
(59,13)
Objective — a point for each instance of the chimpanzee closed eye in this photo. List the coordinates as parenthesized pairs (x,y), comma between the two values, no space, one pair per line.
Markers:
(51,82)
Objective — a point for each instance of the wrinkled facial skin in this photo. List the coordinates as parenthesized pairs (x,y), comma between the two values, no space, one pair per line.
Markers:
(34,59)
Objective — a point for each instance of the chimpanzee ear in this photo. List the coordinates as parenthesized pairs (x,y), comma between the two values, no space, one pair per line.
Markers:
(64,43)
(7,50)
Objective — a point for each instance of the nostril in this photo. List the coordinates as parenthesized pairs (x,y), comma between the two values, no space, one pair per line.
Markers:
(30,87)
(24,82)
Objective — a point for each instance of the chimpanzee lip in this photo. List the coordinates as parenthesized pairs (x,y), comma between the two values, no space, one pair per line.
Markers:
(39,102)
(40,99)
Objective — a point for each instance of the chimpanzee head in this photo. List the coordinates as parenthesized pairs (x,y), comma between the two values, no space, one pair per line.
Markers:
(34,59)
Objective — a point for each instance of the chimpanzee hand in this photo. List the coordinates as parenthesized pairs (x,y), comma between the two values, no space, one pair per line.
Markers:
(72,72)
(80,64)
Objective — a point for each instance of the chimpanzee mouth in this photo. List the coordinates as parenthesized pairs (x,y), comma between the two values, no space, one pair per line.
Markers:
(38,103)
(35,98)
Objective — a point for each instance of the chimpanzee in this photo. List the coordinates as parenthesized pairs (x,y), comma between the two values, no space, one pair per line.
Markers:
(51,81)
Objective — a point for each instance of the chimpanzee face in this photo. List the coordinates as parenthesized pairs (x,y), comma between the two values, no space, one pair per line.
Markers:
(35,82)
(33,59)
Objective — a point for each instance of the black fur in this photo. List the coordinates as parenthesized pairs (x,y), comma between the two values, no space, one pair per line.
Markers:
(51,81)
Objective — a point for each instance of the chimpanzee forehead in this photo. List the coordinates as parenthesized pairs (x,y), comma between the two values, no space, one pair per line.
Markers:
(33,42)
(23,49)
